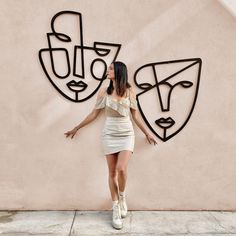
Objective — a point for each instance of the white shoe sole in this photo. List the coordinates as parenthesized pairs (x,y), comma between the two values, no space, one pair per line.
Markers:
(124,215)
(117,226)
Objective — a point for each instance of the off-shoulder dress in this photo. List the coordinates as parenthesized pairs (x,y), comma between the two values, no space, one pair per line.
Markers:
(117,133)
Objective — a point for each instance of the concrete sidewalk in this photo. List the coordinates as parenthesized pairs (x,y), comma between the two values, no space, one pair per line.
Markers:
(66,223)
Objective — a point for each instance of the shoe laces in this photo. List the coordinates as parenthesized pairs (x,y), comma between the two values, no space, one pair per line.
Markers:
(116,213)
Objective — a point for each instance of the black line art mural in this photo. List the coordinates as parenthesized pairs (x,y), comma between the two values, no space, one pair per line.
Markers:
(172,87)
(75,70)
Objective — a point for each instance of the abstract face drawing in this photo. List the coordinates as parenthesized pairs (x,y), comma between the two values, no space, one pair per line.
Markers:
(170,88)
(75,70)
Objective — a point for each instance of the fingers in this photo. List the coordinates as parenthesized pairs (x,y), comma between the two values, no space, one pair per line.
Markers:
(148,139)
(67,134)
(70,133)
(155,142)
(151,139)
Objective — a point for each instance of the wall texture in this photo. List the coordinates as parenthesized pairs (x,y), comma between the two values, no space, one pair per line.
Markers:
(40,169)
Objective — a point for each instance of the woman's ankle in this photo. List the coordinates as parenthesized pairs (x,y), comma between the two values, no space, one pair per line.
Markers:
(114,202)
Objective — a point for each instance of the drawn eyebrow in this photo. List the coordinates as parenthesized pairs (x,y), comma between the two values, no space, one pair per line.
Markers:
(183,83)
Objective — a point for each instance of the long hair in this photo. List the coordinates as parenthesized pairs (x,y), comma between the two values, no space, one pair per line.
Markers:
(121,79)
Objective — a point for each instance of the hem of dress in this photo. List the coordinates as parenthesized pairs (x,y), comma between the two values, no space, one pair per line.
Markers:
(119,150)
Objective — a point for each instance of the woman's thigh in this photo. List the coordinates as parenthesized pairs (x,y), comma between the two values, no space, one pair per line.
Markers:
(123,159)
(111,163)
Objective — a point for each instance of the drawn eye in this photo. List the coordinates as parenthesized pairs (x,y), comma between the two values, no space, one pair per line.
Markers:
(145,86)
(185,84)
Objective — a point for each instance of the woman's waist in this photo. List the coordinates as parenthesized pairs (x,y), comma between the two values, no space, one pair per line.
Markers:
(118,124)
(118,118)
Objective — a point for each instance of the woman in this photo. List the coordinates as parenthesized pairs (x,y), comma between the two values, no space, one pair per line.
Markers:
(119,101)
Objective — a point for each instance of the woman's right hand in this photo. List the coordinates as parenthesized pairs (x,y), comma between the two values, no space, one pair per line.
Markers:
(71,132)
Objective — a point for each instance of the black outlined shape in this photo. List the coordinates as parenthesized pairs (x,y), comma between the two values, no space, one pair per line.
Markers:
(99,48)
(166,123)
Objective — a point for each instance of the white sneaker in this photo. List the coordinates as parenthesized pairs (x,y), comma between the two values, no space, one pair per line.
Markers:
(123,206)
(116,217)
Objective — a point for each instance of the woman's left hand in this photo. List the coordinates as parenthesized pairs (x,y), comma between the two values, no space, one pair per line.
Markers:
(151,139)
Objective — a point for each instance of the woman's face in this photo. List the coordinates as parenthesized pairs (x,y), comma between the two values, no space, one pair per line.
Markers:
(110,72)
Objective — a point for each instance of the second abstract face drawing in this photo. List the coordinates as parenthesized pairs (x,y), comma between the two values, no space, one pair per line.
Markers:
(169,91)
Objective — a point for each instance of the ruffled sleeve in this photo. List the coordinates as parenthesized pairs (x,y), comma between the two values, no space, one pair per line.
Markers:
(100,103)
(133,103)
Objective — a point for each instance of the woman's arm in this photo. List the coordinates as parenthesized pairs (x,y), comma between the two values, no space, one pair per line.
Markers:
(137,119)
(90,117)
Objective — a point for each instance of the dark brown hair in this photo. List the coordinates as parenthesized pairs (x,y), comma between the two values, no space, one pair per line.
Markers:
(121,79)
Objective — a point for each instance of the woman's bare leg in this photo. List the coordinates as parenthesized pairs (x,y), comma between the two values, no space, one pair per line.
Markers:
(121,167)
(112,179)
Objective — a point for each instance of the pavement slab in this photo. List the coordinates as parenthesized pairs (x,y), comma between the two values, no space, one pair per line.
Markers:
(136,223)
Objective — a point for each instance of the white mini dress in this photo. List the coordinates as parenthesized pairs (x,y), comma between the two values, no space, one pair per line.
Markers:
(117,133)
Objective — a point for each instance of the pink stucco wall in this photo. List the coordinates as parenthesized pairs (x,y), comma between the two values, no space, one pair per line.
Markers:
(41,169)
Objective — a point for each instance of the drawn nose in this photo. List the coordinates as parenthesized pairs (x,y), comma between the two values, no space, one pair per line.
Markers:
(163,93)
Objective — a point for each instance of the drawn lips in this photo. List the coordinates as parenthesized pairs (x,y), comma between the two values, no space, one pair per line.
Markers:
(77,86)
(165,122)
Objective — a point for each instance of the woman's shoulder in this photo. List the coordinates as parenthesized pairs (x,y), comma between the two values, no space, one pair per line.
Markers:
(132,91)
(101,92)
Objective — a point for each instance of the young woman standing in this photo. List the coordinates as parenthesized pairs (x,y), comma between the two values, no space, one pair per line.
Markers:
(119,101)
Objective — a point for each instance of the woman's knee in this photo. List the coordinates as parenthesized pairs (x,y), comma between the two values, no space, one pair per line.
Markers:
(121,169)
(113,173)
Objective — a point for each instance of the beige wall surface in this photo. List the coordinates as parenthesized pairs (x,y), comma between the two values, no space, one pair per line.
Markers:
(41,169)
